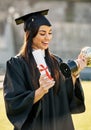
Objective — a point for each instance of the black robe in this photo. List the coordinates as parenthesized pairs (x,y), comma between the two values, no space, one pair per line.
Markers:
(52,112)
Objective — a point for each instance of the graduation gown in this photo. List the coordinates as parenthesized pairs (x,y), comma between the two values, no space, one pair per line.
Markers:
(52,112)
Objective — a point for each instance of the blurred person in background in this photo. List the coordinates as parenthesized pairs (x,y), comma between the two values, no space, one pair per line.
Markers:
(36,100)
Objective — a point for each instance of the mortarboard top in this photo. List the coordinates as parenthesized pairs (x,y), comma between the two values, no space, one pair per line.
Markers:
(22,19)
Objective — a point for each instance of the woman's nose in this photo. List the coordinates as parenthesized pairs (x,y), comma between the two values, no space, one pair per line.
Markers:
(47,36)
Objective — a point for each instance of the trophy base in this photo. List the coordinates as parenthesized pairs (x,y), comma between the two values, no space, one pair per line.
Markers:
(68,68)
(65,70)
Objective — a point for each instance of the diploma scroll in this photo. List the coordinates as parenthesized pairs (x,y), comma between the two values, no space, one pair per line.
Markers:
(41,64)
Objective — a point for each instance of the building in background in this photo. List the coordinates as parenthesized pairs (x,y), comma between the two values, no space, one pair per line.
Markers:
(71,27)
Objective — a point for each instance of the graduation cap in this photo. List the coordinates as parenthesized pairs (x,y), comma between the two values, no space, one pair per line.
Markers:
(24,18)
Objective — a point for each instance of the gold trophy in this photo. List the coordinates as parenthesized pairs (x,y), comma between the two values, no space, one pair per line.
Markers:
(72,65)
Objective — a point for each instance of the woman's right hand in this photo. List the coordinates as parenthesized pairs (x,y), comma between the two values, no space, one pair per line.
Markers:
(46,83)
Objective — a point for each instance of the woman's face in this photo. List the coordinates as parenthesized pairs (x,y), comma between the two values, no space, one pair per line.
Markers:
(43,37)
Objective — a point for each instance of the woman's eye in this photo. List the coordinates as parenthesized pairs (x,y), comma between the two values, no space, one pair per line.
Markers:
(42,34)
(50,33)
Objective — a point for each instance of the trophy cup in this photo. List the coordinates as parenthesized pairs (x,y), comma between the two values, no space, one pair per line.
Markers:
(72,65)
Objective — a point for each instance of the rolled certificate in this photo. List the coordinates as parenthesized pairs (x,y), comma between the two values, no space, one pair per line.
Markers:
(72,65)
(41,64)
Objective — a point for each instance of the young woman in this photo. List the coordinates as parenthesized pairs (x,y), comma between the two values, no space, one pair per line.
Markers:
(36,101)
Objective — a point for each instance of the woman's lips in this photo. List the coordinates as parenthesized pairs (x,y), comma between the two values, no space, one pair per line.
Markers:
(45,43)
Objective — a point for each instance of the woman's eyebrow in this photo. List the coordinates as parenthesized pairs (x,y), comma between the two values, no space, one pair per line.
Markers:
(44,30)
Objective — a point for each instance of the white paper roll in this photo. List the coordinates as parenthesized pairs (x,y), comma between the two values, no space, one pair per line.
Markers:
(41,64)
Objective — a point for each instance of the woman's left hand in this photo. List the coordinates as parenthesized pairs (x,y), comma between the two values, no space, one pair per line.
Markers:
(81,63)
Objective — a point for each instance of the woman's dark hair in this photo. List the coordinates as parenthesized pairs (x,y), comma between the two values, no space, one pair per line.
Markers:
(31,28)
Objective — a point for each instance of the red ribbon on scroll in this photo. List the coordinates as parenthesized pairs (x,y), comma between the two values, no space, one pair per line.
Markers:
(45,69)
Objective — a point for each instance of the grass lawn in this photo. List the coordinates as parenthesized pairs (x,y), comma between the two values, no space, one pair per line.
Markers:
(81,121)
(4,123)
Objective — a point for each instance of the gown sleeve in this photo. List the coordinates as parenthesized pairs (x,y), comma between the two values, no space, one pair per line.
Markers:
(75,93)
(75,96)
(18,100)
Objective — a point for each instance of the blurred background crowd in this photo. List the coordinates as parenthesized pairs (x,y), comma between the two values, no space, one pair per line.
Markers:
(71,21)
